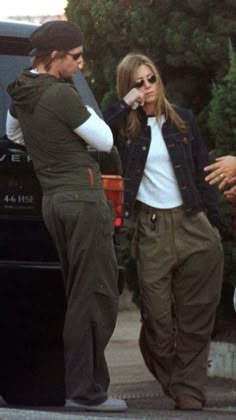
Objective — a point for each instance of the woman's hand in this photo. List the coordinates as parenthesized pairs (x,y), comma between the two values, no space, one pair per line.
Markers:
(134,98)
(222,171)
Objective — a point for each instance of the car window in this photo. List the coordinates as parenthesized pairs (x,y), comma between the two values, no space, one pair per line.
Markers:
(10,44)
(9,68)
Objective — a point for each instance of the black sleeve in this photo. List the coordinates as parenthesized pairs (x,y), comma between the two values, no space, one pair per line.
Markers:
(207,192)
(115,113)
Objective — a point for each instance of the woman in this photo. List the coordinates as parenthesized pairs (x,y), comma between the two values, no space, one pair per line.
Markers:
(178,250)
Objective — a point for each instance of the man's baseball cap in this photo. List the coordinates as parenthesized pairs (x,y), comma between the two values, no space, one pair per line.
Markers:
(56,35)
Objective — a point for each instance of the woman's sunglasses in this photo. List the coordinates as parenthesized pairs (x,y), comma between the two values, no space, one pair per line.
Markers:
(75,56)
(150,79)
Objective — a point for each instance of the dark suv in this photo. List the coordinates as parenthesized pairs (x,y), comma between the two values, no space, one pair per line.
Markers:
(32,301)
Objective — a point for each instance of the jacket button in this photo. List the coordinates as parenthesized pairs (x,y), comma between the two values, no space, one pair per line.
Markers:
(144,148)
(128,141)
(126,214)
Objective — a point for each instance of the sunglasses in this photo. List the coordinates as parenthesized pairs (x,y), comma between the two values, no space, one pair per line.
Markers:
(75,56)
(150,79)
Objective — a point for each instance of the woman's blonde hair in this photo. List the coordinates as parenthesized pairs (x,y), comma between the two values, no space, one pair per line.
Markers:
(125,82)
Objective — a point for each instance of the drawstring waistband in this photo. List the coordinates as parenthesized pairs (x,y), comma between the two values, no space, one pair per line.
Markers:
(150,209)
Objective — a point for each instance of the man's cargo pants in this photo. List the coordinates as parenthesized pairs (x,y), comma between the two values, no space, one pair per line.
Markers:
(81,225)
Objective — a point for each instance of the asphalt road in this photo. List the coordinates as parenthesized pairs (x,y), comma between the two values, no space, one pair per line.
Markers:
(131,380)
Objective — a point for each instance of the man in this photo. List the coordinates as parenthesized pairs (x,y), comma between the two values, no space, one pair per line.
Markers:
(48,113)
(223,172)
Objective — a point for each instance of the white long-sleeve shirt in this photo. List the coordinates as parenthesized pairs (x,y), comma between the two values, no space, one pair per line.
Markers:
(94,131)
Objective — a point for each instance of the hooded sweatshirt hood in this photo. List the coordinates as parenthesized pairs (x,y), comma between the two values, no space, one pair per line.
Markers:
(28,88)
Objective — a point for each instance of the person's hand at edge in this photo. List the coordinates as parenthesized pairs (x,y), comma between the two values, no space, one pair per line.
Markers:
(231,193)
(221,171)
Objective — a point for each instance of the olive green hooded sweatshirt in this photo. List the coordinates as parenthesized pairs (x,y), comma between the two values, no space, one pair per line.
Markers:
(48,110)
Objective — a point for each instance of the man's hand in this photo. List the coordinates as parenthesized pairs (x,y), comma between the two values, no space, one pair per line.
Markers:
(222,171)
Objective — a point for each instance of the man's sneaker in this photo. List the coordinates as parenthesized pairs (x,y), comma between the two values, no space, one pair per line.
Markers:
(110,405)
(3,403)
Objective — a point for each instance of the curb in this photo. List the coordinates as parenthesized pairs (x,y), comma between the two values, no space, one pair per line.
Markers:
(222,360)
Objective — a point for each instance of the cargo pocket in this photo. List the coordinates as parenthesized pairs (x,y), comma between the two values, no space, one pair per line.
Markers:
(112,215)
(106,260)
(105,221)
(133,244)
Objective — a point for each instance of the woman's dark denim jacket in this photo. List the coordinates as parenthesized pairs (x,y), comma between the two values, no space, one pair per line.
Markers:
(187,152)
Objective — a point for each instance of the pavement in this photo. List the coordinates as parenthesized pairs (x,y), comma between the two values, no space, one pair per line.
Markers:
(131,380)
